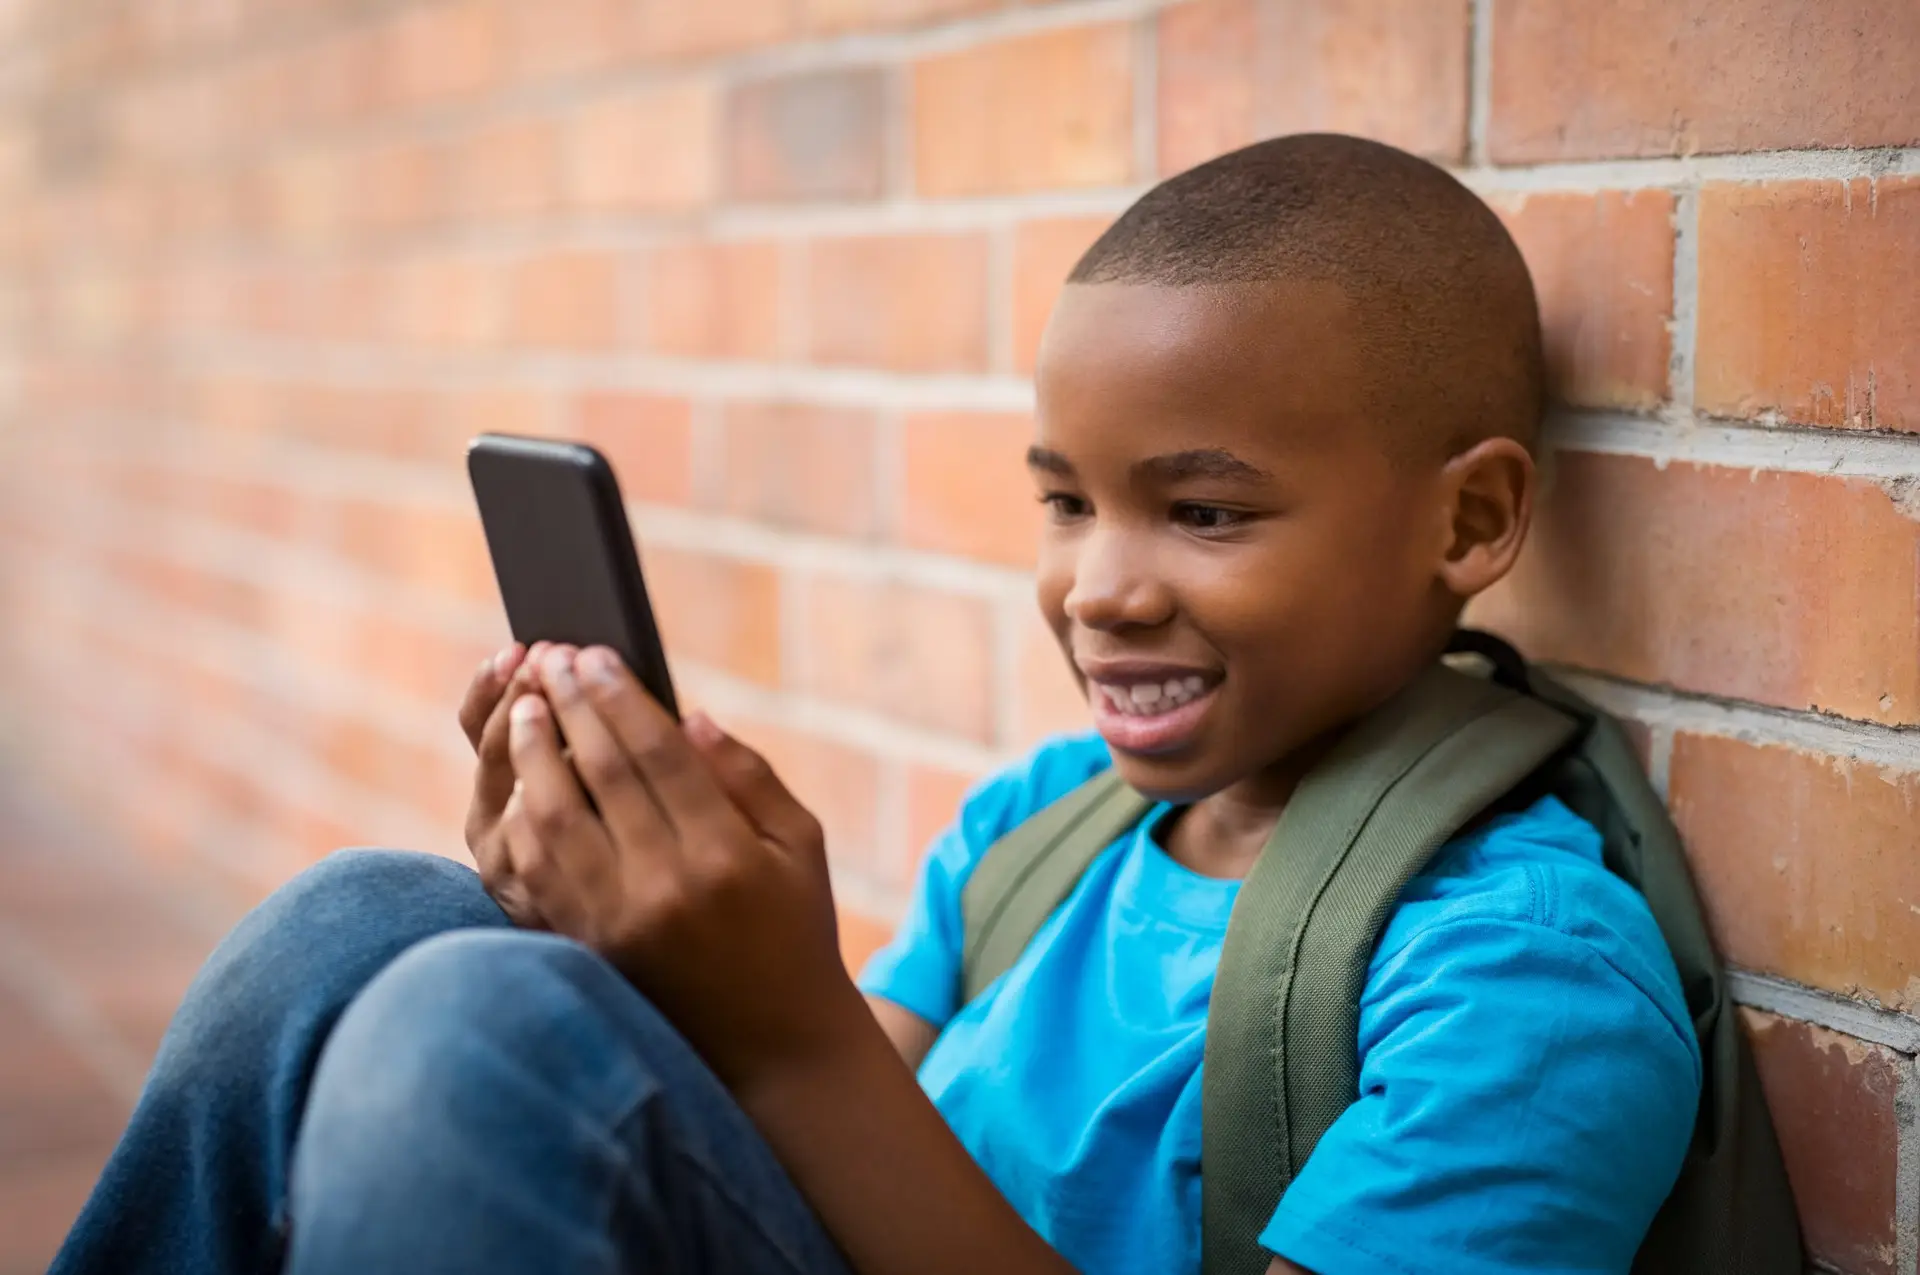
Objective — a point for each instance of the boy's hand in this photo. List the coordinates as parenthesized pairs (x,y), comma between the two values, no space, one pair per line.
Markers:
(484,720)
(700,878)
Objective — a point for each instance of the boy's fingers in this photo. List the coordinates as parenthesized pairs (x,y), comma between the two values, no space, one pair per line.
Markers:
(493,783)
(626,805)
(556,806)
(485,689)
(654,743)
(758,792)
(483,692)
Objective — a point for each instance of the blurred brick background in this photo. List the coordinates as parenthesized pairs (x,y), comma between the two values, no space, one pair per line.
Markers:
(265,267)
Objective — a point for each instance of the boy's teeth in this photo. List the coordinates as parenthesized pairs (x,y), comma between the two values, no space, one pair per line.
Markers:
(1145,699)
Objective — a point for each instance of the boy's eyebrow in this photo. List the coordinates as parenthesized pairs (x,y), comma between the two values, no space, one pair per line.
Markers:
(1048,461)
(1204,462)
(1201,462)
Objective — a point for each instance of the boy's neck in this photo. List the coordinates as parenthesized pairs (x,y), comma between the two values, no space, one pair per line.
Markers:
(1222,834)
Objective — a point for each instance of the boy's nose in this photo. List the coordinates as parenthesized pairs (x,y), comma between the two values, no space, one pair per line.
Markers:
(1115,587)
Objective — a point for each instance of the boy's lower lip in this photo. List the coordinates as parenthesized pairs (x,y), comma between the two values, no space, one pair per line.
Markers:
(1159,733)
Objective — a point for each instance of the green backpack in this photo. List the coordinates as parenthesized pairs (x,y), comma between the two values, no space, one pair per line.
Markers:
(1281,1057)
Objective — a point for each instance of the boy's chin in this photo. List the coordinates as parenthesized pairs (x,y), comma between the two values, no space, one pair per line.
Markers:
(1170,778)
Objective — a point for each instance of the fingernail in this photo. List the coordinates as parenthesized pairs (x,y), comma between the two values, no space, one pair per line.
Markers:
(598,664)
(702,731)
(502,661)
(558,667)
(526,710)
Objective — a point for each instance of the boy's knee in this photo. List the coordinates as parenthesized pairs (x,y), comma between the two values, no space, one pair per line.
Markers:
(307,948)
(354,884)
(463,1017)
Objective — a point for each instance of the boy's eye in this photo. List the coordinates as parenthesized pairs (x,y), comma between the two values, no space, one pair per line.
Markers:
(1064,505)
(1207,517)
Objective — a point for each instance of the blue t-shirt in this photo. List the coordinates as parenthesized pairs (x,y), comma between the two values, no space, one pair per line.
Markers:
(1528,1071)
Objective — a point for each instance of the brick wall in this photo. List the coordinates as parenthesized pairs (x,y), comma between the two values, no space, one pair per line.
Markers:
(268,264)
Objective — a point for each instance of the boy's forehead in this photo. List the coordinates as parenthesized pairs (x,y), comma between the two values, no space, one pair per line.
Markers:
(1236,356)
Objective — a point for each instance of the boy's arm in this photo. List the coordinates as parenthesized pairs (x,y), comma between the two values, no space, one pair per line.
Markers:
(893,1185)
(877,1162)
(696,874)
(912,1035)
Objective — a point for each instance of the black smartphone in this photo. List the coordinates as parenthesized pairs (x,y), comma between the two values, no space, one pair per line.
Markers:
(563,553)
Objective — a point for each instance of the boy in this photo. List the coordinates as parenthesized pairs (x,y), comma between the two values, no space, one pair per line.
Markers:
(1285,411)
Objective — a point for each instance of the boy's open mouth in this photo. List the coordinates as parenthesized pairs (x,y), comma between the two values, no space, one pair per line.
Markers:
(1148,708)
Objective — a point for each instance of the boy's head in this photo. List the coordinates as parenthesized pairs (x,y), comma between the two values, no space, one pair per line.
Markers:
(1286,410)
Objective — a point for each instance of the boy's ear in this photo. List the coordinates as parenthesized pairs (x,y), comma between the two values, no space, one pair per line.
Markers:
(1489,491)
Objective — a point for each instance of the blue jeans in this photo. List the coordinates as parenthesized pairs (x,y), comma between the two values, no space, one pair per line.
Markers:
(375,1072)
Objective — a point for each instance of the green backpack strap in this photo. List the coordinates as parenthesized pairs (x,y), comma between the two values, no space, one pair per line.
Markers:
(1029,872)
(1282,1052)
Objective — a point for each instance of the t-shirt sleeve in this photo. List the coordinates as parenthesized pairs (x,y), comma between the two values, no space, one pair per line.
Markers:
(1525,1105)
(919,968)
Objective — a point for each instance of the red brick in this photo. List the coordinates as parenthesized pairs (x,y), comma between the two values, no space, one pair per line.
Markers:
(490,409)
(424,665)
(1799,590)
(1044,253)
(445,52)
(508,169)
(565,37)
(1602,268)
(967,490)
(1042,111)
(258,508)
(446,301)
(801,465)
(1048,699)
(40,1198)
(1572,81)
(648,439)
(934,795)
(1834,1101)
(304,835)
(414,425)
(402,185)
(645,151)
(436,549)
(194,588)
(1235,71)
(811,136)
(1806,862)
(715,300)
(333,81)
(860,937)
(909,303)
(913,653)
(1809,299)
(716,611)
(568,298)
(50,1100)
(677,27)
(377,760)
(306,197)
(834,16)
(840,785)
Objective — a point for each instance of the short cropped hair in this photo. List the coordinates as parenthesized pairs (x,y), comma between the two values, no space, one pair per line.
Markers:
(1445,306)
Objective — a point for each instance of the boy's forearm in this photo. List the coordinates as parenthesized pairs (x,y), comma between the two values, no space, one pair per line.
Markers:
(878,1164)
